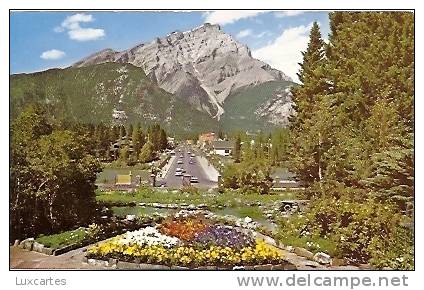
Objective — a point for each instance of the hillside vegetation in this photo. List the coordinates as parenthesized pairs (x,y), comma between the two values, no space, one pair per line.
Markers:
(240,107)
(89,94)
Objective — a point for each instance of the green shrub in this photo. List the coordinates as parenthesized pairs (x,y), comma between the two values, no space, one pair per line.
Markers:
(364,231)
(295,231)
(248,176)
(395,252)
(95,231)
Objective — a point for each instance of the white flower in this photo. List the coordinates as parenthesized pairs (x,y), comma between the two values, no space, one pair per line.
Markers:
(149,236)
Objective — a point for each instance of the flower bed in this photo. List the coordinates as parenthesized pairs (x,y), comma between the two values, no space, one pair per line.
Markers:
(189,242)
(185,229)
(147,237)
(61,243)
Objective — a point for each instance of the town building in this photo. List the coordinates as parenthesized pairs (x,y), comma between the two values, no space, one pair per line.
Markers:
(222,147)
(206,139)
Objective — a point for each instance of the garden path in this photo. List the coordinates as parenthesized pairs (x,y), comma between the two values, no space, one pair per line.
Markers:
(24,259)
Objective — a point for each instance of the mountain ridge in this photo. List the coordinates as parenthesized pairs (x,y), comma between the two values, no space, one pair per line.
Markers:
(202,66)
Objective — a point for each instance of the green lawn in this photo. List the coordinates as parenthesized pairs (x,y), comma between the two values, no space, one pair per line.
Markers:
(227,199)
(314,244)
(63,239)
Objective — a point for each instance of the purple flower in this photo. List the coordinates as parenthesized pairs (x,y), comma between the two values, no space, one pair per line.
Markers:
(224,236)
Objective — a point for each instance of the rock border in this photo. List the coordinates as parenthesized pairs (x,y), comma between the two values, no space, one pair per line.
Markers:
(124,265)
(31,245)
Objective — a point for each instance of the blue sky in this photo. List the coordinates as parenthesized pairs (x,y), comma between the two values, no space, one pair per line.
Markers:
(42,40)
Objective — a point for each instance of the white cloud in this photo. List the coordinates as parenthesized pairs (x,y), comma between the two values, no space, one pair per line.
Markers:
(288,13)
(72,22)
(78,33)
(284,53)
(52,54)
(244,33)
(86,34)
(229,16)
(58,29)
(264,33)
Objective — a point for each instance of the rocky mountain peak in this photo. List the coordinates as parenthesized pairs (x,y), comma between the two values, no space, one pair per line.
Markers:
(105,55)
(203,66)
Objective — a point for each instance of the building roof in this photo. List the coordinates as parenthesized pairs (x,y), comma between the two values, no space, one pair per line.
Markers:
(207,137)
(222,144)
(123,179)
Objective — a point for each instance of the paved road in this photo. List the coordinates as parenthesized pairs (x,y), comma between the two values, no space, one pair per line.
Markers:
(195,169)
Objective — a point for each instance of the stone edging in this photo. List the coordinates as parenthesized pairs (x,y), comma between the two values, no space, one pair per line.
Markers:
(298,256)
(122,265)
(31,245)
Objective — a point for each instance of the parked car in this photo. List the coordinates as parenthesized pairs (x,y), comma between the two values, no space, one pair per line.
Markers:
(191,161)
(193,155)
(180,162)
(194,179)
(178,173)
(172,152)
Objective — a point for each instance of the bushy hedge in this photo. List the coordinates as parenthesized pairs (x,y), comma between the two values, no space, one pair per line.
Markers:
(362,231)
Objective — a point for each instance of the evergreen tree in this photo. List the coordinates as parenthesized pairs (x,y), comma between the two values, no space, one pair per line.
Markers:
(371,57)
(311,76)
(163,140)
(154,136)
(114,134)
(101,140)
(355,106)
(279,144)
(305,144)
(247,152)
(147,153)
(237,149)
(137,140)
(130,130)
(124,156)
(143,138)
(370,64)
(122,132)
